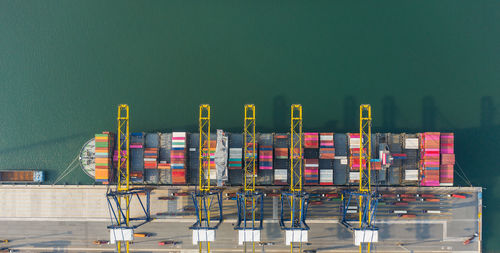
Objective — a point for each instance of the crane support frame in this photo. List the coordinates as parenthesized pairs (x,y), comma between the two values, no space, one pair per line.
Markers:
(250,204)
(118,211)
(368,209)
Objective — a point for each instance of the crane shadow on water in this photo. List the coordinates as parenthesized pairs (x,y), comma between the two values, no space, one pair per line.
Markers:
(49,142)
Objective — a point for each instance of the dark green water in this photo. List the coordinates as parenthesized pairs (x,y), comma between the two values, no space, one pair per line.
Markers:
(423,65)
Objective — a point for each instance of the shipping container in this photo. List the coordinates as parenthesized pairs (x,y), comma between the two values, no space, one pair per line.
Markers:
(21,176)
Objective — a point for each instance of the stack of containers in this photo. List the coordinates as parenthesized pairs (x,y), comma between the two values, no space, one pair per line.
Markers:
(136,157)
(447,159)
(340,164)
(281,143)
(213,169)
(411,145)
(326,177)
(311,140)
(354,153)
(395,147)
(281,146)
(178,158)
(151,158)
(103,149)
(326,156)
(193,156)
(311,155)
(430,158)
(151,153)
(326,149)
(164,169)
(265,172)
(235,158)
(266,157)
(311,171)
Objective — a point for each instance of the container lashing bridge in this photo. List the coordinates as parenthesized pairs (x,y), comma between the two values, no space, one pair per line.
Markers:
(119,200)
(249,201)
(206,200)
(294,203)
(367,199)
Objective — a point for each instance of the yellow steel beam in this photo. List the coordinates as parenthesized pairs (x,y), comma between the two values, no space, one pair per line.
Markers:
(249,148)
(204,148)
(365,122)
(296,148)
(123,183)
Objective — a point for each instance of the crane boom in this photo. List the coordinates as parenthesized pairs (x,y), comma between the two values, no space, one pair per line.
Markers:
(205,199)
(204,148)
(249,148)
(296,148)
(123,183)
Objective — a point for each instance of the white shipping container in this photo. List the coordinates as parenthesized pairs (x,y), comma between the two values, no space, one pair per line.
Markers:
(326,137)
(325,176)
(179,134)
(280,175)
(353,175)
(312,165)
(326,172)
(213,174)
(411,143)
(400,211)
(354,142)
(445,184)
(433,211)
(411,175)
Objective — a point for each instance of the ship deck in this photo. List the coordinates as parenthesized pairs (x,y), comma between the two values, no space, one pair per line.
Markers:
(70,218)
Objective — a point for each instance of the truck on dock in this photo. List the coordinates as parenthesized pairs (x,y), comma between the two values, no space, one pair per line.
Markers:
(21,176)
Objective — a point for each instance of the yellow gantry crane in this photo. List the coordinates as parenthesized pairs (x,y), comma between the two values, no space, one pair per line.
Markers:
(205,199)
(295,201)
(364,232)
(249,201)
(119,199)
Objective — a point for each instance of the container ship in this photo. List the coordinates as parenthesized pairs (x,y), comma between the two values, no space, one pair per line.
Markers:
(398,159)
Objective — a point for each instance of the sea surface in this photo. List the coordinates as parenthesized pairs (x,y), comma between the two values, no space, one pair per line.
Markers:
(422,65)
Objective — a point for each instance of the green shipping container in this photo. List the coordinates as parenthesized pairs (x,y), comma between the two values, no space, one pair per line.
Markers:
(101,144)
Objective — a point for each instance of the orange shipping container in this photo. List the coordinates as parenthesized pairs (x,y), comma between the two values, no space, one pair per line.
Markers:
(101,174)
